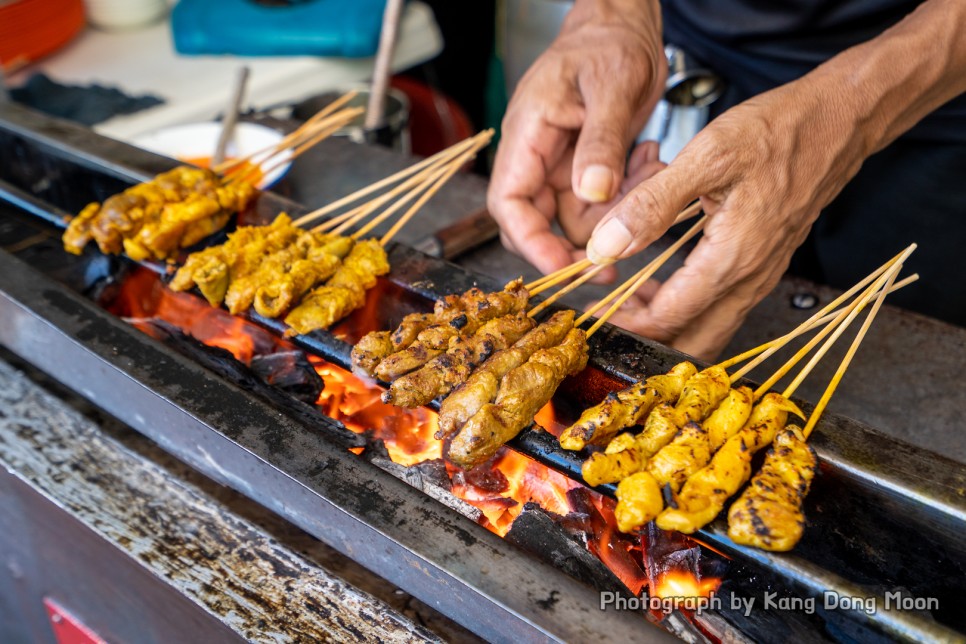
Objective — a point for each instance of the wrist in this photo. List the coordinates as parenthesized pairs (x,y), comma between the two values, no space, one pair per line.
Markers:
(891,82)
(641,15)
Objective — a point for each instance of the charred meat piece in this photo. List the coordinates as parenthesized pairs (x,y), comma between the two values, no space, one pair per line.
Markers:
(438,376)
(452,321)
(625,408)
(769,513)
(482,386)
(523,391)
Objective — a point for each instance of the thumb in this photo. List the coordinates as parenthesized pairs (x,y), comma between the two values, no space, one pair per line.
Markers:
(602,146)
(644,214)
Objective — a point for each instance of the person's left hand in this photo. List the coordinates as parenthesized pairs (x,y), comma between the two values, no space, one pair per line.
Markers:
(763,170)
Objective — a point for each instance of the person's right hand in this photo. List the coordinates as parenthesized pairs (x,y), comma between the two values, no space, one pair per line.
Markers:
(569,126)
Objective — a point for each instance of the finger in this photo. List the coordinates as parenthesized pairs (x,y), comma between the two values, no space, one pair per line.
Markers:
(644,153)
(604,139)
(520,200)
(705,277)
(710,333)
(649,209)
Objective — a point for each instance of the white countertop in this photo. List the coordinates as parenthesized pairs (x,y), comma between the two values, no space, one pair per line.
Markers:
(197,88)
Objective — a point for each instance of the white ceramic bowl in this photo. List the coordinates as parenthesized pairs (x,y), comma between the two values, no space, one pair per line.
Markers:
(197,141)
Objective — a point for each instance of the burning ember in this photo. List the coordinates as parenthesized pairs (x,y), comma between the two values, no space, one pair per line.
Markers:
(500,488)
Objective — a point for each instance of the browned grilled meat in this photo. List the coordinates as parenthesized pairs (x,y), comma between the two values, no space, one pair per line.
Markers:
(523,391)
(438,376)
(769,514)
(482,386)
(370,350)
(453,321)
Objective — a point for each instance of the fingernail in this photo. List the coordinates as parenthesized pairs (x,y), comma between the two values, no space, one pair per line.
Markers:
(596,184)
(609,242)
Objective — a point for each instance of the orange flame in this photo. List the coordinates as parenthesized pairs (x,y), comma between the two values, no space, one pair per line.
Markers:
(499,489)
(684,583)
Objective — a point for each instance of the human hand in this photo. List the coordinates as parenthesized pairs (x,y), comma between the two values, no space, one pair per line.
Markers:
(569,125)
(763,170)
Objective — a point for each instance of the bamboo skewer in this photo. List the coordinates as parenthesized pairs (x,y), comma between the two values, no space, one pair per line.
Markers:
(772,346)
(538,285)
(288,139)
(552,279)
(888,278)
(413,183)
(446,174)
(299,144)
(437,158)
(837,377)
(645,274)
(844,317)
(566,289)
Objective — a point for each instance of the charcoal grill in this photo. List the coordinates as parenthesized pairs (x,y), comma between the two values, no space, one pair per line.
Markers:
(882,516)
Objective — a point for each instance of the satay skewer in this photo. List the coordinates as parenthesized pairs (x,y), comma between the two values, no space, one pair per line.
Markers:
(769,514)
(628,454)
(705,492)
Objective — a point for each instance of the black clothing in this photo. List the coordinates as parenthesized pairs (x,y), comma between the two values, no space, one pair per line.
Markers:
(913,191)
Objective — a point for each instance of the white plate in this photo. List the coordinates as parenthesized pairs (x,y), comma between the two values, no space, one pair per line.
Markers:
(198,140)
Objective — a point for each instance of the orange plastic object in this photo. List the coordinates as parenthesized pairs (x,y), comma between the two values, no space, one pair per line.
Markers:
(31,29)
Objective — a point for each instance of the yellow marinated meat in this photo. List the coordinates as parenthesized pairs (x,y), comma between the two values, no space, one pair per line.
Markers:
(692,447)
(79,233)
(639,500)
(155,219)
(271,300)
(705,492)
(689,451)
(769,514)
(438,376)
(482,386)
(627,454)
(625,408)
(523,392)
(343,293)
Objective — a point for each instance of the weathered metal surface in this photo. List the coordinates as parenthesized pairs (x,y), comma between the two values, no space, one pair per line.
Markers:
(228,566)
(458,567)
(865,475)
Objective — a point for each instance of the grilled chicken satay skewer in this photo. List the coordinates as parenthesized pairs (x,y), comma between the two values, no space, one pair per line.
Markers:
(691,449)
(625,408)
(526,388)
(464,353)
(628,454)
(484,383)
(273,266)
(410,353)
(345,290)
(769,514)
(705,493)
